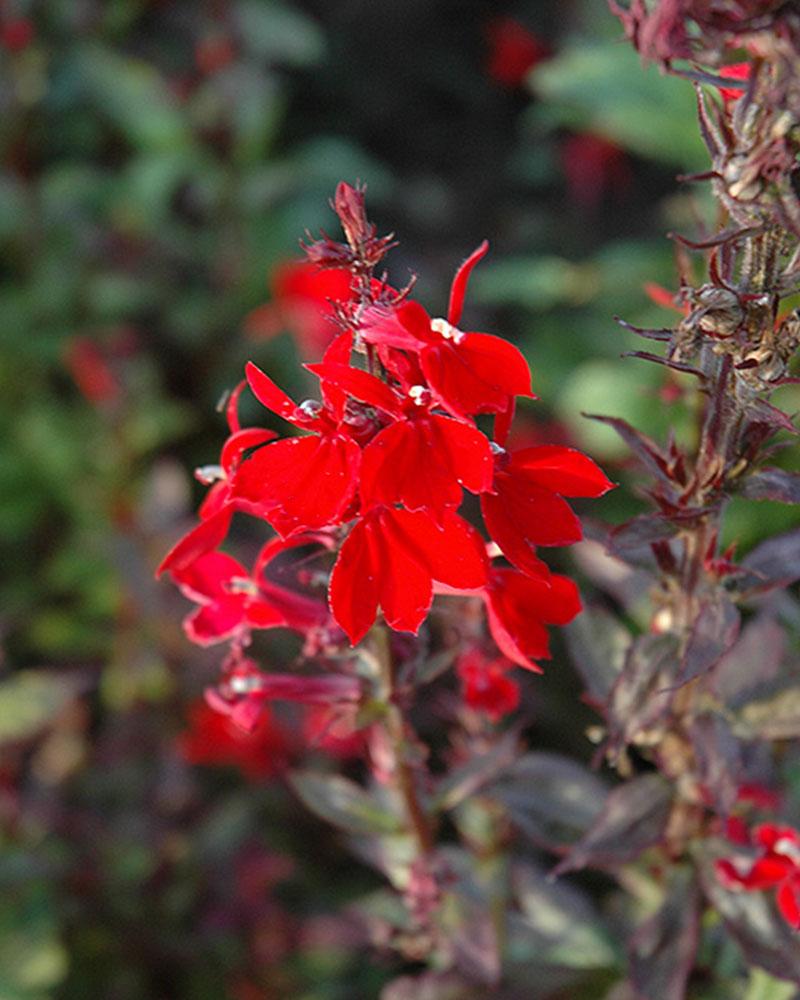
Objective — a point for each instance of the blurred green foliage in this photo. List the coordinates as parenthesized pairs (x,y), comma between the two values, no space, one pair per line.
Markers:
(157,159)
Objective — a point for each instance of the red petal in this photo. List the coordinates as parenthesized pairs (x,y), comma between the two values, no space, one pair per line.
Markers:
(269,394)
(459,287)
(521,515)
(768,835)
(788,900)
(232,408)
(768,871)
(214,622)
(407,328)
(562,470)
(477,375)
(239,442)
(359,384)
(453,552)
(206,536)
(338,352)
(423,463)
(518,606)
(300,483)
(353,592)
(207,578)
(405,586)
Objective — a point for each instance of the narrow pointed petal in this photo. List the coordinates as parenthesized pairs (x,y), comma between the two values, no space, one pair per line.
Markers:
(269,394)
(458,289)
(562,470)
(205,537)
(241,441)
(359,384)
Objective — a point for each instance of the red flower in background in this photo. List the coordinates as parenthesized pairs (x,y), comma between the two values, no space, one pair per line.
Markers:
(595,168)
(777,867)
(513,51)
(16,34)
(735,71)
(302,297)
(487,686)
(213,738)
(91,372)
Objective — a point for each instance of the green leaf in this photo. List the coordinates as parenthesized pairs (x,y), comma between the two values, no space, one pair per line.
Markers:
(763,986)
(32,960)
(135,97)
(280,33)
(343,803)
(30,700)
(604,89)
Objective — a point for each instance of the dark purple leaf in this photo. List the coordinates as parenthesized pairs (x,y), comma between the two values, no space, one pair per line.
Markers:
(634,537)
(752,661)
(772,484)
(642,694)
(467,778)
(664,362)
(633,818)
(760,412)
(645,449)
(714,632)
(752,919)
(429,986)
(552,799)
(663,949)
(597,644)
(774,563)
(719,762)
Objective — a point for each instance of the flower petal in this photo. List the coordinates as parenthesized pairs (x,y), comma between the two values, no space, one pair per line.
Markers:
(562,470)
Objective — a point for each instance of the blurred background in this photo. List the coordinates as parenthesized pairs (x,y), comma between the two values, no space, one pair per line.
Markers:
(159,161)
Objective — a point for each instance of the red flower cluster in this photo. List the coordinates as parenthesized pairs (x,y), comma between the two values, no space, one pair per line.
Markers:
(376,471)
(776,867)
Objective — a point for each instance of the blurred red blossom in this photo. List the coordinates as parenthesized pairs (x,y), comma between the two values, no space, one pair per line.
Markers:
(213,738)
(514,50)
(16,33)
(302,297)
(777,866)
(486,684)
(91,371)
(595,168)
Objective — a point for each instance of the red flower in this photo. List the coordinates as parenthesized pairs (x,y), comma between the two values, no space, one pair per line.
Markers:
(513,51)
(245,692)
(519,607)
(487,686)
(302,302)
(91,371)
(300,483)
(233,601)
(777,867)
(212,738)
(468,373)
(527,509)
(332,729)
(391,558)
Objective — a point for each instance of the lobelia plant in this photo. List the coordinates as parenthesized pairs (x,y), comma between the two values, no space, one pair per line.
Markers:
(364,501)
